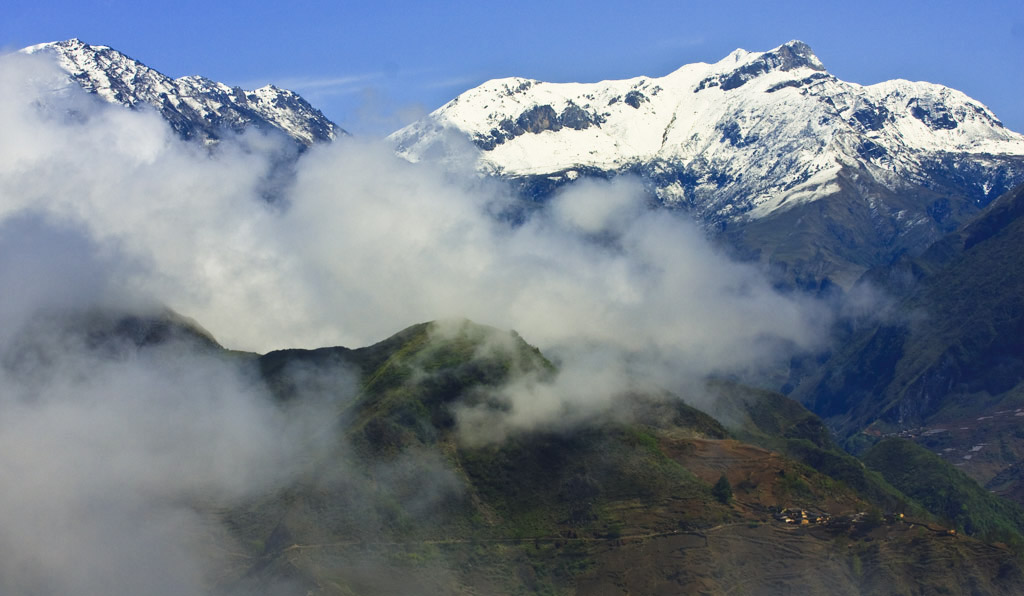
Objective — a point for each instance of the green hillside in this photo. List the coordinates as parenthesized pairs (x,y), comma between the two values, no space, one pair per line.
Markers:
(400,504)
(656,497)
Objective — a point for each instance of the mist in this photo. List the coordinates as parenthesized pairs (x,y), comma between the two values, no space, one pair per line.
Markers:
(116,455)
(361,243)
(103,209)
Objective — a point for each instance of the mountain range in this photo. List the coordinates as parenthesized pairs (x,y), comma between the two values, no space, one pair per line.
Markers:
(194,106)
(815,176)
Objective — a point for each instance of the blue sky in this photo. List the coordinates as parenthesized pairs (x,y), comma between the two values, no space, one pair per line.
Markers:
(373,66)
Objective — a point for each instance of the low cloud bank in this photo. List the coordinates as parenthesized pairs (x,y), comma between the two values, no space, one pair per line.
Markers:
(102,207)
(361,243)
(116,455)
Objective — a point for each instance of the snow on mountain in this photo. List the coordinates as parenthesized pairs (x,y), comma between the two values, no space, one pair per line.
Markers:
(196,107)
(750,135)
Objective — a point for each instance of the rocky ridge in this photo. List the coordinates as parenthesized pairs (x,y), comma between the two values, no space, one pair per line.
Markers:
(196,107)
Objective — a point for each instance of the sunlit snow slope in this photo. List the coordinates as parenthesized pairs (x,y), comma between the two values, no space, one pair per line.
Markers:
(751,134)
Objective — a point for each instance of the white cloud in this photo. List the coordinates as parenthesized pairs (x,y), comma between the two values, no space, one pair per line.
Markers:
(370,243)
(101,206)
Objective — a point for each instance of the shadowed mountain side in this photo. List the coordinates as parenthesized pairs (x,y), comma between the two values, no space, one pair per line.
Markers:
(816,245)
(953,350)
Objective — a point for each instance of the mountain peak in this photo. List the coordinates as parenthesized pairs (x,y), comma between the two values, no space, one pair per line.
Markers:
(741,66)
(788,56)
(796,54)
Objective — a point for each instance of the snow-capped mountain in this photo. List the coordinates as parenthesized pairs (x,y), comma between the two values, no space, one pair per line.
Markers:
(753,135)
(196,107)
(749,134)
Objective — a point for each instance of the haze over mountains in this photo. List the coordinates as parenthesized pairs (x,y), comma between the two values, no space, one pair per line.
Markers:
(455,457)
